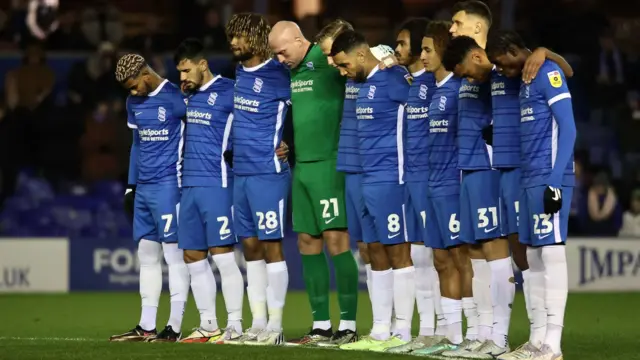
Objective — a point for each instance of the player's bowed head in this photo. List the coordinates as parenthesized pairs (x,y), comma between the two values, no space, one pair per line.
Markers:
(192,65)
(508,52)
(352,56)
(288,43)
(135,75)
(465,58)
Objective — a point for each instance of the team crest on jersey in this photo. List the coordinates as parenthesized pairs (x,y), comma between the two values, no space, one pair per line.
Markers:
(310,65)
(372,92)
(212,98)
(422,94)
(186,101)
(409,78)
(257,85)
(443,103)
(162,114)
(554,78)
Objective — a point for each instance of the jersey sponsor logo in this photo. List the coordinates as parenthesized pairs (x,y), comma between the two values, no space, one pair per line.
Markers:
(364,113)
(439,126)
(212,98)
(162,114)
(257,85)
(417,112)
(497,88)
(372,92)
(197,117)
(299,86)
(241,103)
(442,105)
(554,78)
(526,114)
(469,91)
(422,94)
(350,92)
(153,135)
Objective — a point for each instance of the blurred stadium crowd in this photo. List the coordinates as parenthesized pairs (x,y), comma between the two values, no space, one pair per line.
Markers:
(64,142)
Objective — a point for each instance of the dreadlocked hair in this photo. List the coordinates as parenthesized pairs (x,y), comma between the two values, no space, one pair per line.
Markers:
(129,66)
(501,42)
(255,28)
(333,29)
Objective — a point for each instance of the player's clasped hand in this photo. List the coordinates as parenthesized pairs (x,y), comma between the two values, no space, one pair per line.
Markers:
(129,200)
(552,200)
(283,152)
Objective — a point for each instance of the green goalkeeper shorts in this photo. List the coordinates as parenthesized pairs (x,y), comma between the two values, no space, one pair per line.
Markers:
(317,197)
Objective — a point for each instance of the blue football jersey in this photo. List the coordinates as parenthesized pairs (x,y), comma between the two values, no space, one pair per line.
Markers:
(157,120)
(261,101)
(539,130)
(209,121)
(380,110)
(348,158)
(506,121)
(417,128)
(444,175)
(474,114)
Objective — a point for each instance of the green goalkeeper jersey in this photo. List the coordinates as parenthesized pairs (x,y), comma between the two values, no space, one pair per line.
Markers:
(317,95)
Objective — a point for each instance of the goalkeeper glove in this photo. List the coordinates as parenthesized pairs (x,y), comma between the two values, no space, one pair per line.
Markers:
(228,157)
(129,200)
(552,200)
(487,135)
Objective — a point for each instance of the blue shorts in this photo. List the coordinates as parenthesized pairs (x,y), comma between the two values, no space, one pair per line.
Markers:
(443,224)
(359,222)
(415,206)
(385,204)
(538,228)
(260,205)
(479,204)
(206,218)
(509,201)
(155,213)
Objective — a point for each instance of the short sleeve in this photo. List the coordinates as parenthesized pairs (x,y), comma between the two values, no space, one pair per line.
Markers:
(552,84)
(131,118)
(399,84)
(284,84)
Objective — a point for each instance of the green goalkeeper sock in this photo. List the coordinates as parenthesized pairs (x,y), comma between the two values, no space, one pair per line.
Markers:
(315,271)
(347,277)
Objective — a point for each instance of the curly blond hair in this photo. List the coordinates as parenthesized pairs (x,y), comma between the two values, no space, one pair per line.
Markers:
(129,66)
(255,28)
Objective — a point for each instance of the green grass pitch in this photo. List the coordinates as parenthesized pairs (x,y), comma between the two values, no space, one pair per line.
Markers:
(77,326)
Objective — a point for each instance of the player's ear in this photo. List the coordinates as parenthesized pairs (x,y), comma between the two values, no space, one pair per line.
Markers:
(203,64)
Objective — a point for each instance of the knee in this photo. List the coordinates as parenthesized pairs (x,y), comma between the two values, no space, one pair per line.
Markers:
(273,251)
(191,256)
(461,260)
(363,250)
(400,255)
(337,241)
(422,256)
(378,257)
(442,261)
(225,262)
(149,252)
(173,255)
(253,249)
(309,245)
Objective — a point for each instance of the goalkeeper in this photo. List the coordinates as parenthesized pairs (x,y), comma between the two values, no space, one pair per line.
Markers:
(318,189)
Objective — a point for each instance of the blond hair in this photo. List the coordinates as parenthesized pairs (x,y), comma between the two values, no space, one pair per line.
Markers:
(333,29)
(129,66)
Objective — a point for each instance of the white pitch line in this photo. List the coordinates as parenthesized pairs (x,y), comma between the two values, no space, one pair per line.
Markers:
(48,339)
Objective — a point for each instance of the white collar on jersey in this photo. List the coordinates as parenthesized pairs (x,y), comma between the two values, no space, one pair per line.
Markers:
(157,90)
(444,81)
(257,67)
(206,86)
(373,72)
(418,73)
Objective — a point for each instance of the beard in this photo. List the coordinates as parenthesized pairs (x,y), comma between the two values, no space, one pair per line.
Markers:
(360,75)
(242,56)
